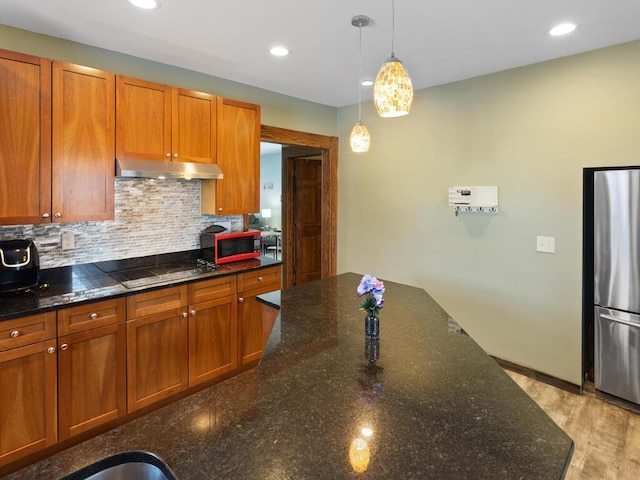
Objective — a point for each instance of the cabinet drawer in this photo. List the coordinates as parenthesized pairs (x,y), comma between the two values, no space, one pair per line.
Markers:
(212,289)
(149,303)
(27,330)
(91,315)
(269,278)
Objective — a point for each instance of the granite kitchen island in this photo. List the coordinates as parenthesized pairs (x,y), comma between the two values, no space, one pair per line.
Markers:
(436,405)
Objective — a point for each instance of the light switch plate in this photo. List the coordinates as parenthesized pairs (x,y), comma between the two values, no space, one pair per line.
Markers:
(546,244)
(68,241)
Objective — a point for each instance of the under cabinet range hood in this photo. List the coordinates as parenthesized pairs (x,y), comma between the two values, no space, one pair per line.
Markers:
(162,170)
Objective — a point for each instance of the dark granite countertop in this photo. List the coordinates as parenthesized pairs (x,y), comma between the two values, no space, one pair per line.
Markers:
(437,405)
(95,281)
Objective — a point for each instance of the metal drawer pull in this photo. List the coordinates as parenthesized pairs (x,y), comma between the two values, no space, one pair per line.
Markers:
(15,334)
(51,349)
(241,299)
(93,316)
(260,279)
(45,215)
(64,346)
(185,314)
(193,313)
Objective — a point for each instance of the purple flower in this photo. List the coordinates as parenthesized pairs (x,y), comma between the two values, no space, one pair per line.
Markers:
(367,284)
(375,289)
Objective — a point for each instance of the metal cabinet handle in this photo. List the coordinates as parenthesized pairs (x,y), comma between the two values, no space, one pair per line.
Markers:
(93,316)
(45,215)
(64,346)
(220,209)
(193,313)
(168,154)
(241,299)
(175,155)
(57,214)
(15,334)
(51,349)
(260,278)
(185,314)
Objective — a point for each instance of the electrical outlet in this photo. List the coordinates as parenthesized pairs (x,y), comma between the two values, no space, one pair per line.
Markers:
(546,244)
(68,241)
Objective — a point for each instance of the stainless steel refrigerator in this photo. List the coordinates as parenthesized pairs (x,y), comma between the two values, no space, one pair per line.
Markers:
(617,283)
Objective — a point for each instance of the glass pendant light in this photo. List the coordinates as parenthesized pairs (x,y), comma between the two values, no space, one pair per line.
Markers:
(392,91)
(360,138)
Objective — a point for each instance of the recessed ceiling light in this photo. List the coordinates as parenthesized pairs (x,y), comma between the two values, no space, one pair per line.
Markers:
(279,51)
(146,4)
(366,83)
(562,29)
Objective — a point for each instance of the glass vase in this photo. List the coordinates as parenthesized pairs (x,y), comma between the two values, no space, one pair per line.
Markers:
(371,327)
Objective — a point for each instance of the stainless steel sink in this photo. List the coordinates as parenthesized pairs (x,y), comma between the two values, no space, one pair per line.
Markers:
(135,465)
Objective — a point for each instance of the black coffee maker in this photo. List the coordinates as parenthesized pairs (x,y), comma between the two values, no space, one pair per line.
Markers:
(19,266)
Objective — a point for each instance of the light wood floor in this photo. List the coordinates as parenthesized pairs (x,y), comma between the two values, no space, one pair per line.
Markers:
(606,437)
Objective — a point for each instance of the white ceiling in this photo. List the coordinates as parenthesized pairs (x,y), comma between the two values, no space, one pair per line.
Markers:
(439,41)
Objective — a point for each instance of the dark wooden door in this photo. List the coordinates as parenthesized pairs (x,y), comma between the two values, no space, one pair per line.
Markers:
(307,219)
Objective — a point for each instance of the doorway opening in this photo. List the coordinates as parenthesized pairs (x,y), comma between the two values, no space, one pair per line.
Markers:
(308,243)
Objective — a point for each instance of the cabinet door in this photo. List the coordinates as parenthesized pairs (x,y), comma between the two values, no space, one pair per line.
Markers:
(143,119)
(213,344)
(157,357)
(27,400)
(91,378)
(251,331)
(239,159)
(83,143)
(254,320)
(193,127)
(25,139)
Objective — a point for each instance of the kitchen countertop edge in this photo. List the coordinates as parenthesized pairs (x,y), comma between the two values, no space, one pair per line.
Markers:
(41,302)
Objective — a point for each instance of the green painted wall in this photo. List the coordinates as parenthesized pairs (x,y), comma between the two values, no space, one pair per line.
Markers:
(530,131)
(277,110)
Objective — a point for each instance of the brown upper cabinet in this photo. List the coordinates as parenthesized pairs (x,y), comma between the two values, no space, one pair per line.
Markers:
(160,122)
(83,143)
(25,139)
(57,152)
(238,158)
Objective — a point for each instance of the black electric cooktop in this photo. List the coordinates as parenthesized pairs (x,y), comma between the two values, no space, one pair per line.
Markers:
(140,272)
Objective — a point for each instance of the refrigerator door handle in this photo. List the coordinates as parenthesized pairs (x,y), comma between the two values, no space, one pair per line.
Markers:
(619,320)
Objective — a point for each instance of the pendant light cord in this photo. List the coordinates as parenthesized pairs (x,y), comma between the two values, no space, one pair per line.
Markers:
(393,26)
(360,74)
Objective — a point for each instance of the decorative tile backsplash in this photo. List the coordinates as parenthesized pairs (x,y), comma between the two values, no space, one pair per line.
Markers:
(151,217)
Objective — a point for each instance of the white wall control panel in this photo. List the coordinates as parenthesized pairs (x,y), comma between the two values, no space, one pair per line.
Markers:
(474,199)
(546,244)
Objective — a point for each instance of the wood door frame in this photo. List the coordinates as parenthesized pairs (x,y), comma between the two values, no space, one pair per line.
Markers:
(329,193)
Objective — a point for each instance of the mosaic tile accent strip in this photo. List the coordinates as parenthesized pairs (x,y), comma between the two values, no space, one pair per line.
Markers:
(151,217)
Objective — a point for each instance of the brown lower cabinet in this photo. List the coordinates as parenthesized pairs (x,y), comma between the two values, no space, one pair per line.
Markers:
(157,357)
(28,407)
(213,329)
(91,366)
(252,329)
(91,379)
(213,345)
(116,356)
